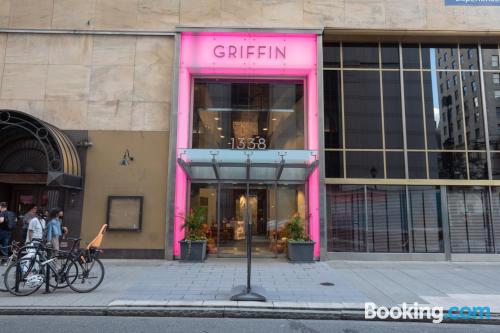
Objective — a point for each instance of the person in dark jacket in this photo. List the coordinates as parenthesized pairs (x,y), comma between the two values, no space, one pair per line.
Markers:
(7,218)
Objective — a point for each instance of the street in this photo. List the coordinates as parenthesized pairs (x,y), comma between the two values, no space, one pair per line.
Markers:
(63,324)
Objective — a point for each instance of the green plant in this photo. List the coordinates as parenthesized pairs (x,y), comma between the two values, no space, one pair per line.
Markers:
(193,223)
(295,230)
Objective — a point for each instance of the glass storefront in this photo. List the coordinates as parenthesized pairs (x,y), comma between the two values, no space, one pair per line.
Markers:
(270,209)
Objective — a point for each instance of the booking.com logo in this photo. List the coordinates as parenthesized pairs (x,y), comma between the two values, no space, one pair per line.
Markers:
(420,312)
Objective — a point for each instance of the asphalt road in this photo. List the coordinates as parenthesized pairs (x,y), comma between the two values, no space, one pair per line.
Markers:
(77,324)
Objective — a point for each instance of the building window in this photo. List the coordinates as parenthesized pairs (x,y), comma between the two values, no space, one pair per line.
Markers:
(460,139)
(497,94)
(448,85)
(456,95)
(469,54)
(498,112)
(465,90)
(453,64)
(476,102)
(457,109)
(439,62)
(467,123)
(494,61)
(474,86)
(440,75)
(445,56)
(445,131)
(496,78)
(462,59)
(459,124)
(478,133)
(455,80)
(463,75)
(441,88)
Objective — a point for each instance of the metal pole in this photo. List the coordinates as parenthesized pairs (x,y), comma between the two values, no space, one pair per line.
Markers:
(249,239)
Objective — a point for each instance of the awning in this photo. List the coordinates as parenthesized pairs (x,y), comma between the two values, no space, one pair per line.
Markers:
(252,166)
(63,166)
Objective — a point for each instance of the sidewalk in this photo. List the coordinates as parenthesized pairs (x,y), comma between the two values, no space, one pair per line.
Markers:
(159,287)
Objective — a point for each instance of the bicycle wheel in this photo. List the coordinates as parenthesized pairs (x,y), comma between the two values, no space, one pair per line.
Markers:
(85,276)
(59,280)
(24,277)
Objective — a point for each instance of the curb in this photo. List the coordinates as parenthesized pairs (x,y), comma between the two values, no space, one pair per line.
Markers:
(261,312)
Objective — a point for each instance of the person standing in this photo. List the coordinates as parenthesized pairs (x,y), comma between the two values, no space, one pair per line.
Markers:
(30,214)
(8,222)
(55,228)
(36,228)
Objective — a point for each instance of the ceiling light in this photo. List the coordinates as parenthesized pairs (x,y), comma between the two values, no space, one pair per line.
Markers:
(222,136)
(216,118)
(219,128)
(264,129)
(274,119)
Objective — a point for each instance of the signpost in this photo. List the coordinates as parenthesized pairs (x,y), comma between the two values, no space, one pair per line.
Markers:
(247,294)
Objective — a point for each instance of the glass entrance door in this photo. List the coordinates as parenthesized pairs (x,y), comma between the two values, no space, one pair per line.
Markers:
(270,207)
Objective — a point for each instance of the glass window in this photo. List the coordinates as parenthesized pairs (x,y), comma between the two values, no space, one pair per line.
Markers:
(453,65)
(331,55)
(411,58)
(413,111)
(478,166)
(473,86)
(390,55)
(448,84)
(395,162)
(490,56)
(440,115)
(360,55)
(416,165)
(432,52)
(497,94)
(364,164)
(496,78)
(495,209)
(465,90)
(447,165)
(426,220)
(393,122)
(455,80)
(363,118)
(333,115)
(386,219)
(229,112)
(345,205)
(462,59)
(495,165)
(469,220)
(470,51)
(334,164)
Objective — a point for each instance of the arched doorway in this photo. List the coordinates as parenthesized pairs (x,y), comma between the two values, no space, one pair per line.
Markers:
(39,165)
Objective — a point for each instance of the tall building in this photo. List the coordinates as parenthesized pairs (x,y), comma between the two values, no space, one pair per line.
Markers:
(375,122)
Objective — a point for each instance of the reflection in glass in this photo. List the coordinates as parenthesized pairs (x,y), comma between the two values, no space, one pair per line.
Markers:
(416,165)
(362,109)
(492,109)
(345,205)
(386,220)
(469,56)
(490,57)
(495,165)
(248,115)
(331,55)
(367,164)
(413,111)
(478,166)
(495,210)
(395,164)
(393,119)
(333,116)
(360,55)
(425,217)
(334,165)
(469,220)
(446,165)
(443,55)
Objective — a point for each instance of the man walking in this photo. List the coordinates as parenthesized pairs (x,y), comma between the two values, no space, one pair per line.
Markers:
(30,214)
(7,224)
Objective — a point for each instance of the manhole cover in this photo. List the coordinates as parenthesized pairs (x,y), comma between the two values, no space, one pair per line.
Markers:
(327,284)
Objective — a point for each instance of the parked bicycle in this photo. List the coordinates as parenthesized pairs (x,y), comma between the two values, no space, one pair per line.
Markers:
(14,249)
(79,269)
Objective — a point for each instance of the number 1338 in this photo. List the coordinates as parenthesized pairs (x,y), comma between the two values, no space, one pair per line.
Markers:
(248,143)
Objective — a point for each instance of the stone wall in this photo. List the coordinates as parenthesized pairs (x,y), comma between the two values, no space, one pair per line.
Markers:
(166,14)
(88,82)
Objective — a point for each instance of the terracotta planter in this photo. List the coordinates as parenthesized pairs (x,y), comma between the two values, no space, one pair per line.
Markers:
(193,250)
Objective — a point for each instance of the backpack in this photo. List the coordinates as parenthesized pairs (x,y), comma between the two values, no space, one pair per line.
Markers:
(11,219)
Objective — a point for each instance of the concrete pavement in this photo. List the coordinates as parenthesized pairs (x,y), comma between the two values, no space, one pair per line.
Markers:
(335,289)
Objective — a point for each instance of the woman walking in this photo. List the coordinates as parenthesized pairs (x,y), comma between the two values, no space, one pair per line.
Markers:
(54,228)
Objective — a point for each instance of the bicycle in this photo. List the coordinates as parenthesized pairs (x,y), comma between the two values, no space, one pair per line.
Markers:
(29,272)
(14,249)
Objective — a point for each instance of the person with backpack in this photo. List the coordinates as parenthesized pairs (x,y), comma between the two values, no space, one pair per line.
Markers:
(8,223)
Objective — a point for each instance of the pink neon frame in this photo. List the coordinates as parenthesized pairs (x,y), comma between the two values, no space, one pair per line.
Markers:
(301,61)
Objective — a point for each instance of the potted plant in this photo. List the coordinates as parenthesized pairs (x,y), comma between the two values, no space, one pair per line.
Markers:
(194,245)
(300,247)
